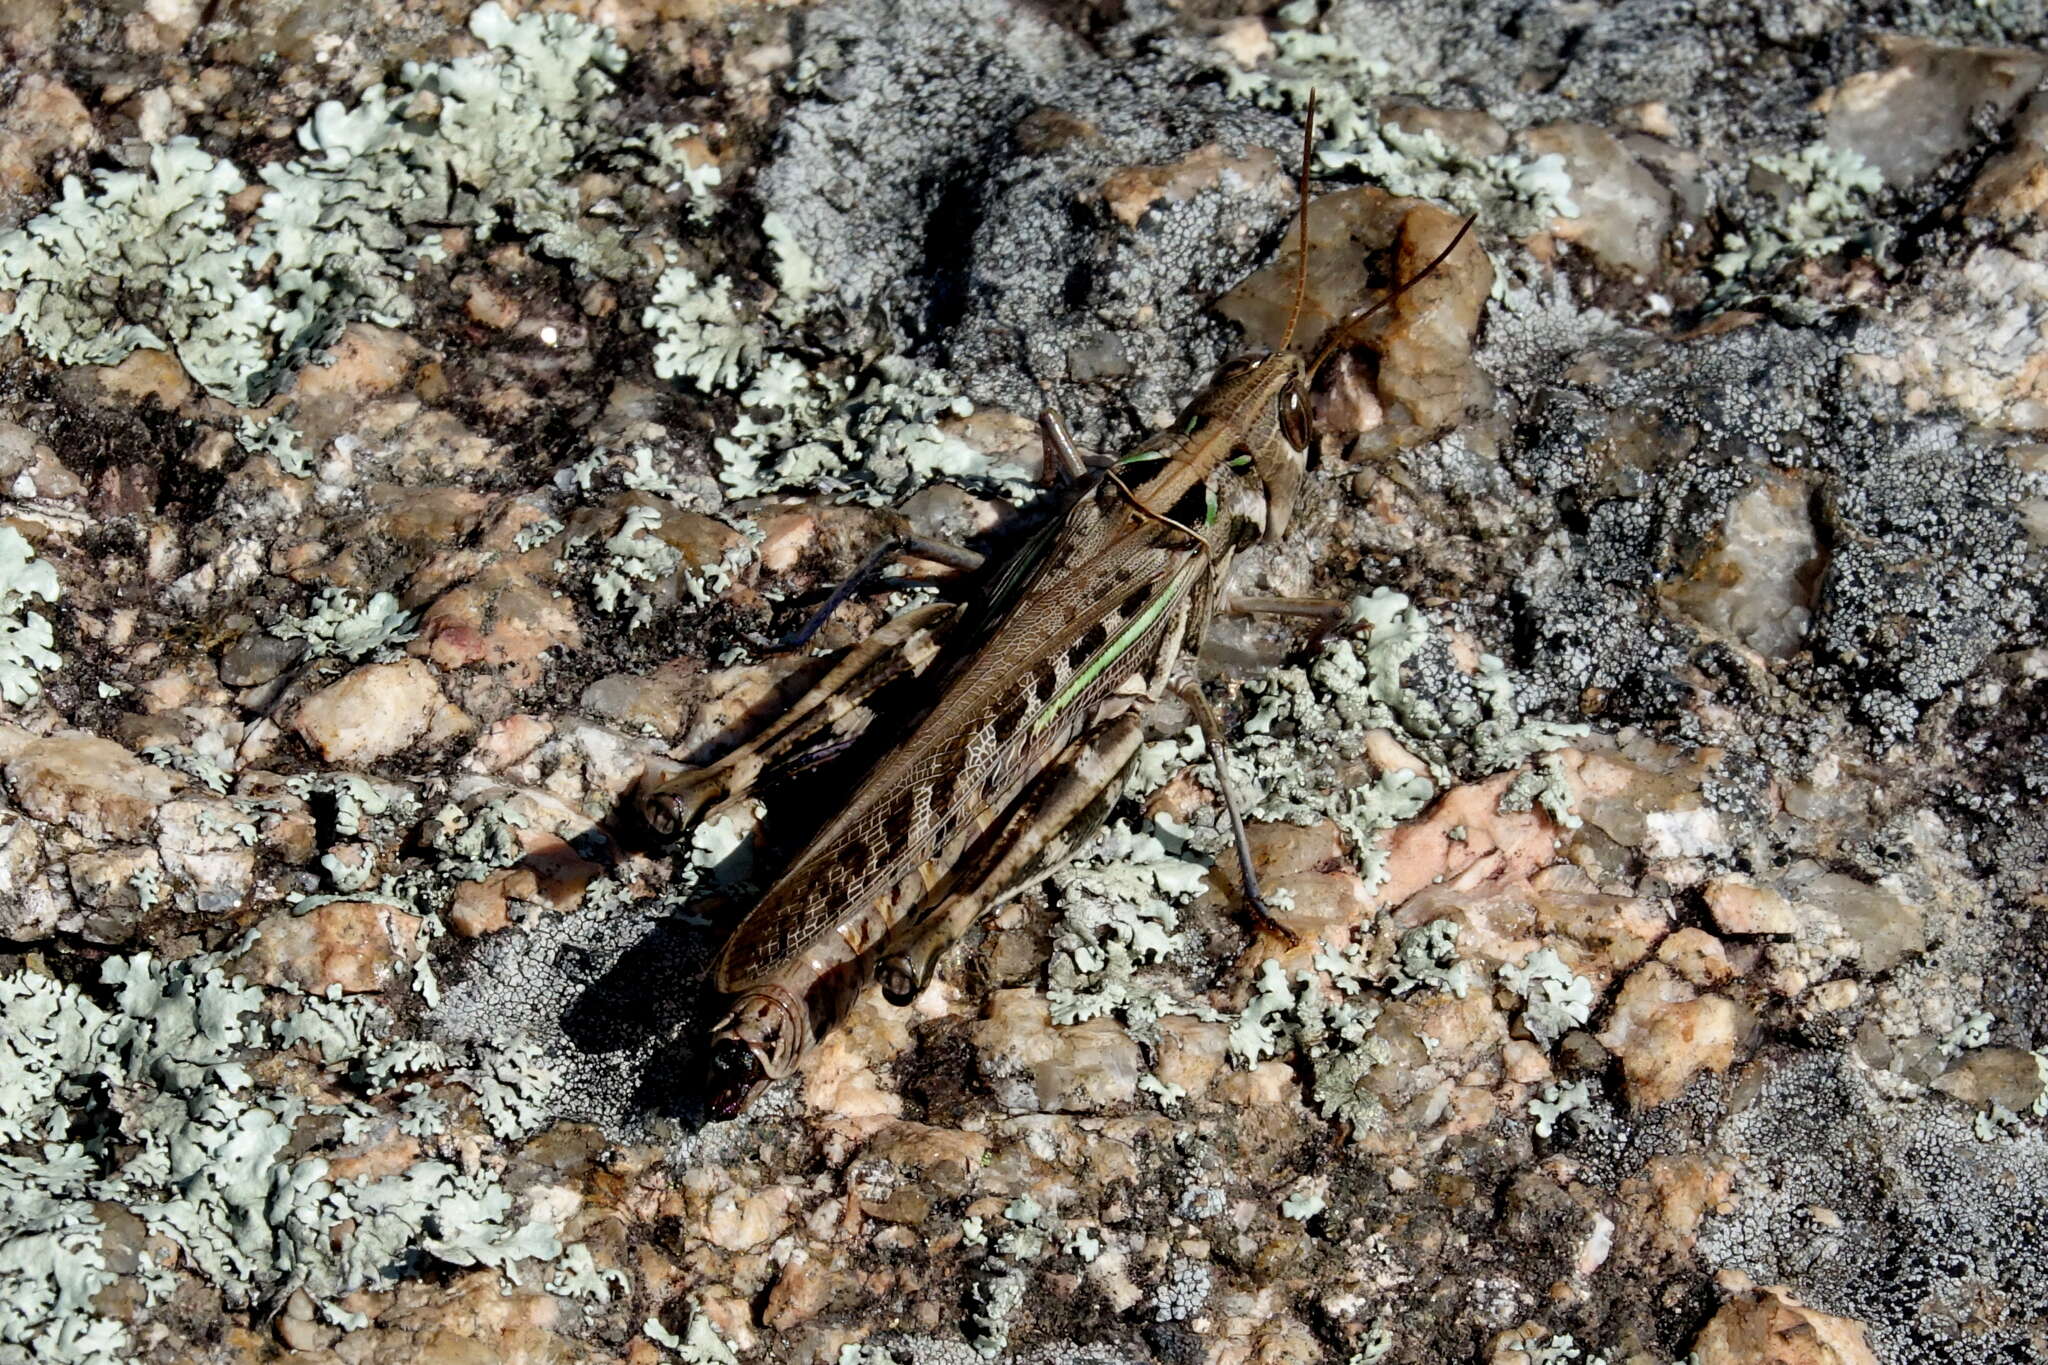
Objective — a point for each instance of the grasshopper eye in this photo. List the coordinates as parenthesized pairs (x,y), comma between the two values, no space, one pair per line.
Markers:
(1294,423)
(1237,367)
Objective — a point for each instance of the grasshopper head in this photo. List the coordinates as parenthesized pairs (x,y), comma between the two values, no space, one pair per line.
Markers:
(758,1042)
(1263,402)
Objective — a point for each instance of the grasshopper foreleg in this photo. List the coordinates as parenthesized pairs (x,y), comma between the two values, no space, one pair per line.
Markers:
(1219,757)
(1043,828)
(671,798)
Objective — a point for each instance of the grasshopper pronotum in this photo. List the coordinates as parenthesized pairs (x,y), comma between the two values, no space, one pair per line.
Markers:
(1036,719)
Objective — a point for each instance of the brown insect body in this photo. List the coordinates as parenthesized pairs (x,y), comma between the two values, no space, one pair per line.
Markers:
(1025,747)
(923,817)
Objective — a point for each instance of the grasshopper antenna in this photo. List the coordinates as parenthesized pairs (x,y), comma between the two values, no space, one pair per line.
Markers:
(1308,151)
(1345,332)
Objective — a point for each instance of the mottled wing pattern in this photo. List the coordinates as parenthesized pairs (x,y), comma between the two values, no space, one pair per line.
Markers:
(910,819)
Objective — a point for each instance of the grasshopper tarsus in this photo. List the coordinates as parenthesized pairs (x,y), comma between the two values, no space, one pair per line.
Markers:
(1329,610)
(1263,921)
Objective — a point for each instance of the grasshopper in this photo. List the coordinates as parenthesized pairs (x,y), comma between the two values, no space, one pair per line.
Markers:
(1036,717)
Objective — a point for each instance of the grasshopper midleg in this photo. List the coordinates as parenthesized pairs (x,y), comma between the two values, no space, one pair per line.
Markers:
(953,556)
(1219,758)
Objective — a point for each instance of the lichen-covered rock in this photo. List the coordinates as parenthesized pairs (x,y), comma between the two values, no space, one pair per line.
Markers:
(1756,584)
(1624,212)
(1881,925)
(43,122)
(92,785)
(1739,906)
(377,711)
(1768,1326)
(502,618)
(113,889)
(1034,1067)
(1663,832)
(1909,117)
(354,945)
(208,853)
(2010,1077)
(2014,184)
(1426,377)
(1666,1032)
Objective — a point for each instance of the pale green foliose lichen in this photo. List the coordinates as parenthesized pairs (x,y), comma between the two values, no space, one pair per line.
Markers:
(1335,1036)
(703,340)
(873,437)
(1427,959)
(991,1303)
(1308,725)
(1168,1093)
(198,764)
(345,625)
(273,436)
(1997,1122)
(861,1353)
(360,805)
(1120,912)
(634,559)
(149,258)
(151,1102)
(669,146)
(1557,1000)
(1083,1244)
(1559,1100)
(1513,194)
(1544,784)
(1028,1238)
(700,1343)
(1974,1031)
(637,572)
(1556,1350)
(1378,1345)
(1827,201)
(1303,1204)
(27,642)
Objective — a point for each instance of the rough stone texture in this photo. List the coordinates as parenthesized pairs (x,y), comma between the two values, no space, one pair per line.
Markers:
(1665,1033)
(373,713)
(1035,1067)
(352,945)
(1770,1327)
(1624,216)
(93,785)
(1739,469)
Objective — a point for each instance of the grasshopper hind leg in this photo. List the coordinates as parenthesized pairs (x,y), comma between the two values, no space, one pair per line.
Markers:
(1041,831)
(670,798)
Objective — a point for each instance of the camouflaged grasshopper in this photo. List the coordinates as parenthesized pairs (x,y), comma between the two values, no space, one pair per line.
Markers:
(1037,715)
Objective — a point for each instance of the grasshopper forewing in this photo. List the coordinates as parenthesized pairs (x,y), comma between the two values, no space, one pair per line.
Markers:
(1030,735)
